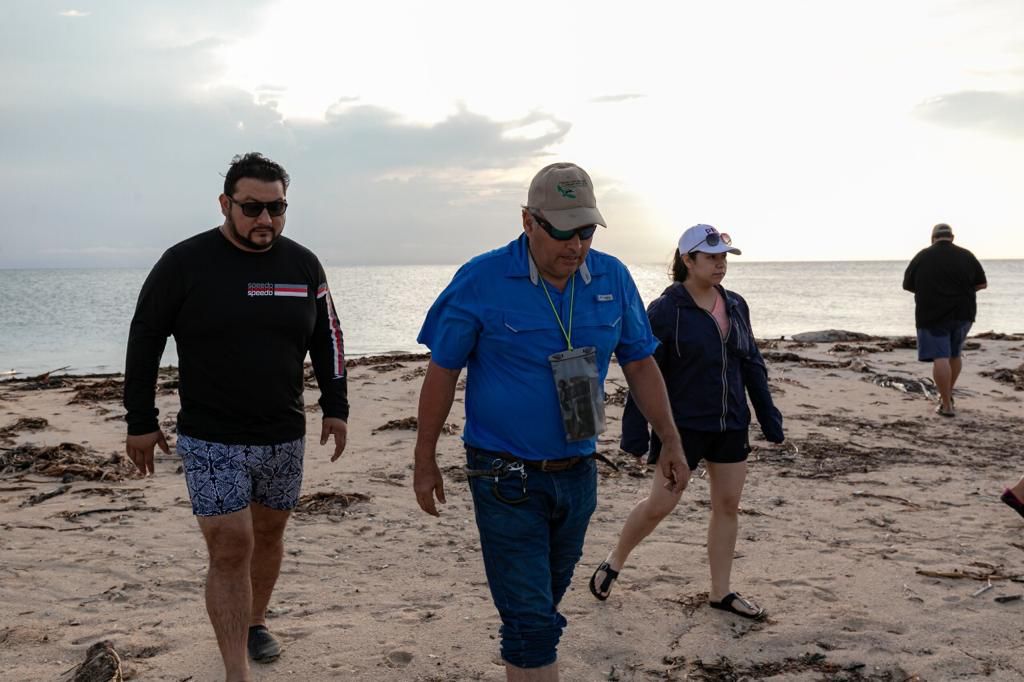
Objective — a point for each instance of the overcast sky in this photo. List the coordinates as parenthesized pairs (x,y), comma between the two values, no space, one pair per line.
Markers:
(806,129)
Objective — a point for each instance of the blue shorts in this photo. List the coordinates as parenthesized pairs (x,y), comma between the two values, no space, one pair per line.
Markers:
(944,341)
(223,478)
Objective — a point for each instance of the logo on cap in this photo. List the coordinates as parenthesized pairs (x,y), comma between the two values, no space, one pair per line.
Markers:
(566,192)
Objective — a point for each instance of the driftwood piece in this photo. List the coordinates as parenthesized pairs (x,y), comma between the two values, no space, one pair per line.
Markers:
(72,515)
(42,497)
(978,570)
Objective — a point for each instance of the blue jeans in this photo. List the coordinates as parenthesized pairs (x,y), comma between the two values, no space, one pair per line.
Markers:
(532,526)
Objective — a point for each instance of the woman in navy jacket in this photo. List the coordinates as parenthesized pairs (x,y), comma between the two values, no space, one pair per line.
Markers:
(711,364)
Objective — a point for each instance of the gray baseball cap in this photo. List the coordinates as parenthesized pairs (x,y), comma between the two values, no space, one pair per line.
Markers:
(564,195)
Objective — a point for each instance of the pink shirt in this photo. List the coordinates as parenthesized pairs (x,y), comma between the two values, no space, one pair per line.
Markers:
(720,314)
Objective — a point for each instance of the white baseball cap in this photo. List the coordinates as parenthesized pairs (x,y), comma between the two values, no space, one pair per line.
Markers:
(707,239)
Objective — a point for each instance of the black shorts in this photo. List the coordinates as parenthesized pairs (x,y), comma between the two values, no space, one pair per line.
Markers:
(722,447)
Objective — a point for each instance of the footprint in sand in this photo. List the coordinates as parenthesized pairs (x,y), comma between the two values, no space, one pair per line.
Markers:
(398,658)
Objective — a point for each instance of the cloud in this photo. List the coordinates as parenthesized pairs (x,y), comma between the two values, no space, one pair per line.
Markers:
(114,150)
(998,113)
(74,13)
(610,99)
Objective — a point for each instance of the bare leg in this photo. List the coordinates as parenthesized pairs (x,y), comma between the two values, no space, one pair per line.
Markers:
(955,365)
(548,673)
(229,541)
(726,487)
(943,374)
(268,550)
(644,518)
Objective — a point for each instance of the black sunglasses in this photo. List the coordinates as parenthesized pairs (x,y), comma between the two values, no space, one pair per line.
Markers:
(251,209)
(585,232)
(712,240)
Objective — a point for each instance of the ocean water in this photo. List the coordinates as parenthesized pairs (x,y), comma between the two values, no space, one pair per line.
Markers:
(79,318)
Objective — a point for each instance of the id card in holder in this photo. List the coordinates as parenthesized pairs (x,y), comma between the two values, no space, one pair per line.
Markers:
(579,392)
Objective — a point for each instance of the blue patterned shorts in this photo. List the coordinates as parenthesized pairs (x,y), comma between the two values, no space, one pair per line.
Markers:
(226,478)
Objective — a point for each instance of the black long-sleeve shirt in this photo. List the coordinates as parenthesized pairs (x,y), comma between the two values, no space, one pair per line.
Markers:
(243,323)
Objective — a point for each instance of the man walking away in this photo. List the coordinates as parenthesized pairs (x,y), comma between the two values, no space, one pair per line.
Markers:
(944,278)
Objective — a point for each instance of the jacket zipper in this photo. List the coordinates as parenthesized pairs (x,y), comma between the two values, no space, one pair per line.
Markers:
(725,360)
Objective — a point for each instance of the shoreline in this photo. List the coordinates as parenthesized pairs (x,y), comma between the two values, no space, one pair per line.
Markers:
(822,336)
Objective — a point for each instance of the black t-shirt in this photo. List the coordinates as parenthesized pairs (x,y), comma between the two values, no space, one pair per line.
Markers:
(243,323)
(944,278)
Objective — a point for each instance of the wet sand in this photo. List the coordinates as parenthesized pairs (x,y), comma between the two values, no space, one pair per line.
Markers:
(871,536)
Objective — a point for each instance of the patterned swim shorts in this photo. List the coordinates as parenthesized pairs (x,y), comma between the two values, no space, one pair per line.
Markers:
(226,478)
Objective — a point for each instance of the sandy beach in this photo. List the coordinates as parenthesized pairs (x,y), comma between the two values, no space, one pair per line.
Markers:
(874,536)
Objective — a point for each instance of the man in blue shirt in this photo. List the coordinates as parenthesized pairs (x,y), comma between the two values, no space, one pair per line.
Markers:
(536,323)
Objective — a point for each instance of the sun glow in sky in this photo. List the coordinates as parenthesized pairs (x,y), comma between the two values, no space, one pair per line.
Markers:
(808,130)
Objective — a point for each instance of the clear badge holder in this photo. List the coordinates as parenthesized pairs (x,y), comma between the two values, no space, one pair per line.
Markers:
(579,392)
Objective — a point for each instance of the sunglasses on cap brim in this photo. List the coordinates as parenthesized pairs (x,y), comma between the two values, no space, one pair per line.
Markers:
(252,209)
(713,239)
(585,232)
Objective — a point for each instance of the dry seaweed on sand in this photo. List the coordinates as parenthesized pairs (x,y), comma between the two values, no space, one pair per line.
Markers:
(410,424)
(859,349)
(819,458)
(414,374)
(621,463)
(725,670)
(386,359)
(997,336)
(69,461)
(24,424)
(616,397)
(328,503)
(101,664)
(780,356)
(387,367)
(107,390)
(899,343)
(925,387)
(1013,377)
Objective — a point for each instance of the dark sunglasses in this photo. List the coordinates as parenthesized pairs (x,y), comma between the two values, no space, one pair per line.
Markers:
(712,240)
(585,232)
(251,209)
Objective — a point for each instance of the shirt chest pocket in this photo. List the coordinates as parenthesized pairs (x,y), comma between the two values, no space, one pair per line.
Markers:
(529,332)
(598,328)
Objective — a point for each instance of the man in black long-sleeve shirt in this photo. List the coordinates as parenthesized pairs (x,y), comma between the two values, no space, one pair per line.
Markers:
(944,279)
(245,305)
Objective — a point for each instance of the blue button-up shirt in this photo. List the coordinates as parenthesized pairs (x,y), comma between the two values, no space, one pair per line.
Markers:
(494,318)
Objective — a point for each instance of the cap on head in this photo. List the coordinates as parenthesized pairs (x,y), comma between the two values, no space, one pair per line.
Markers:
(696,239)
(564,195)
(942,231)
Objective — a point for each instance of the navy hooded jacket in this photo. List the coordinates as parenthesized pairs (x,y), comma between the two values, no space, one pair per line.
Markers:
(708,378)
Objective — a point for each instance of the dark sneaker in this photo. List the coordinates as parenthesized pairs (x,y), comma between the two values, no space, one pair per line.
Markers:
(1009,498)
(263,646)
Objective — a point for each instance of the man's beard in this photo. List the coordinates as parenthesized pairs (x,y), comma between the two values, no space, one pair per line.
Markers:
(248,243)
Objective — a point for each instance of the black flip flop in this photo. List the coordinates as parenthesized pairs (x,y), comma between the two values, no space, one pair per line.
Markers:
(263,646)
(610,576)
(726,605)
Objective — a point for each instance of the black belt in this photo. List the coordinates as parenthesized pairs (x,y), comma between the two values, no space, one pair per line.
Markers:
(549,465)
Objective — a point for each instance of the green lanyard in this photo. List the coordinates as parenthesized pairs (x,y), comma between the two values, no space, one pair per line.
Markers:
(572,301)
